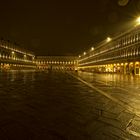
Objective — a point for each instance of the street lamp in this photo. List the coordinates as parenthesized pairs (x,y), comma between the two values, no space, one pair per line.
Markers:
(25,57)
(13,52)
(138,21)
(84,53)
(92,48)
(108,39)
(13,55)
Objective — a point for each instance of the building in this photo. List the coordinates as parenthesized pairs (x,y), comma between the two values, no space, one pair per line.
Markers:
(120,54)
(56,62)
(13,57)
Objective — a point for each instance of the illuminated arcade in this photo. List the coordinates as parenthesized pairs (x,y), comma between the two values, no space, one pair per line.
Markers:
(120,54)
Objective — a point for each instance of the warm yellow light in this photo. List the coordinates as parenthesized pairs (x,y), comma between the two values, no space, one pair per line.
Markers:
(108,39)
(79,56)
(137,63)
(138,20)
(92,48)
(84,53)
(13,52)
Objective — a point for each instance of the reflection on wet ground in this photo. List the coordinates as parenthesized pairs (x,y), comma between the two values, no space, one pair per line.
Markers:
(57,106)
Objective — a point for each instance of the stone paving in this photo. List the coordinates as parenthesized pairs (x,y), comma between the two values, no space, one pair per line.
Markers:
(56,106)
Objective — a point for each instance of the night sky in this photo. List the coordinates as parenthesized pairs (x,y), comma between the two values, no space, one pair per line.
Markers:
(64,27)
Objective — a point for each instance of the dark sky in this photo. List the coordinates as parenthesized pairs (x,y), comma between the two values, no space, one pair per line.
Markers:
(64,27)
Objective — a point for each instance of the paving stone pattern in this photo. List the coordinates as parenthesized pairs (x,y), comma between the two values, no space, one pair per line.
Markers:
(56,106)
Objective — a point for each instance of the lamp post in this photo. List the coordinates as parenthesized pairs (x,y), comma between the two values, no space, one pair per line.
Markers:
(138,21)
(108,39)
(13,55)
(92,48)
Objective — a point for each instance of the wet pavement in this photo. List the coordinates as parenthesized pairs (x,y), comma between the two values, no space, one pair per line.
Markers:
(59,106)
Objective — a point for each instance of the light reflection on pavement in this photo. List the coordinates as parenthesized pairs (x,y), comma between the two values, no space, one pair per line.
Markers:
(126,88)
(56,106)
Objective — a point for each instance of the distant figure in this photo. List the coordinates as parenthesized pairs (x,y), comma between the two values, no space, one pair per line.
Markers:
(133,72)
